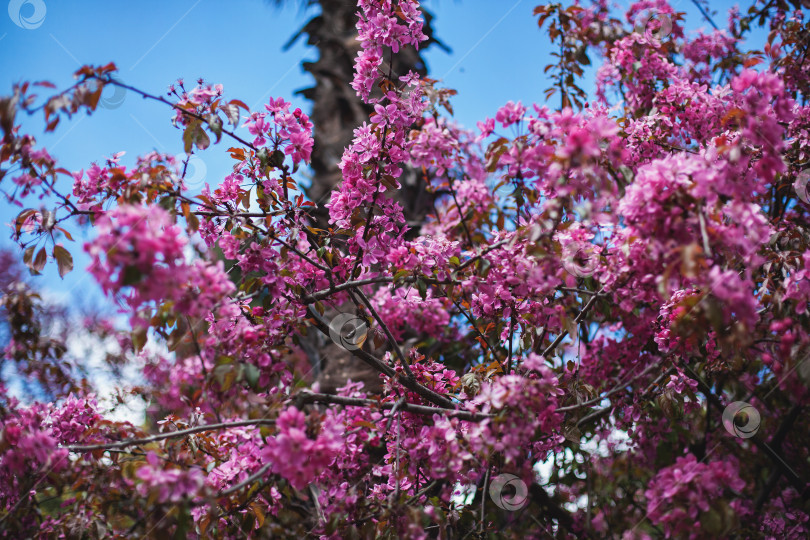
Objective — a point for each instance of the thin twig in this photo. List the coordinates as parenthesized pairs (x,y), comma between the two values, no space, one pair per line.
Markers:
(374,362)
(484,497)
(312,397)
(486,251)
(564,333)
(172,435)
(619,387)
(247,481)
(705,15)
(146,95)
(404,361)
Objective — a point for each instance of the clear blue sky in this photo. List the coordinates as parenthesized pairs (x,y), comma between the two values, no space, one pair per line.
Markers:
(498,55)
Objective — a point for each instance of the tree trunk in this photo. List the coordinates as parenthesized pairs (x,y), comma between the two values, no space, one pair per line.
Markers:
(336,112)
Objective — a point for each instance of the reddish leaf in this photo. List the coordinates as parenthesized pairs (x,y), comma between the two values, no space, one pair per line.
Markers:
(40,260)
(63,259)
(239,103)
(28,256)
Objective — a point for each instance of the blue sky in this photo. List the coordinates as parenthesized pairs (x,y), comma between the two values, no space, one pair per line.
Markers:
(498,54)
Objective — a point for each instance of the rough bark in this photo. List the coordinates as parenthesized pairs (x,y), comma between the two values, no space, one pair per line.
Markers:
(337,110)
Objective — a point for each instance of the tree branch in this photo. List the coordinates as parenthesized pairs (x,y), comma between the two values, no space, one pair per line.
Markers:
(303,398)
(172,435)
(385,369)
(582,313)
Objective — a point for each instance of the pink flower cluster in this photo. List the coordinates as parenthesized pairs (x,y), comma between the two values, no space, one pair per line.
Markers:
(179,378)
(403,310)
(70,421)
(678,494)
(102,183)
(438,448)
(297,457)
(797,285)
(381,24)
(525,406)
(291,131)
(756,92)
(140,249)
(428,256)
(784,519)
(373,162)
(668,212)
(30,444)
(513,275)
(167,484)
(199,99)
(430,373)
(679,305)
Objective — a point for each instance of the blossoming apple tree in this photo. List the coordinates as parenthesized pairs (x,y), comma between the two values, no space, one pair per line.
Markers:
(601,330)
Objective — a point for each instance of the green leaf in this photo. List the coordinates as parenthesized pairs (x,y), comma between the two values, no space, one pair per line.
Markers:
(64,259)
(225,375)
(167,203)
(264,156)
(422,287)
(188,137)
(139,339)
(239,104)
(252,375)
(131,276)
(494,152)
(22,218)
(193,222)
(195,135)
(276,158)
(483,267)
